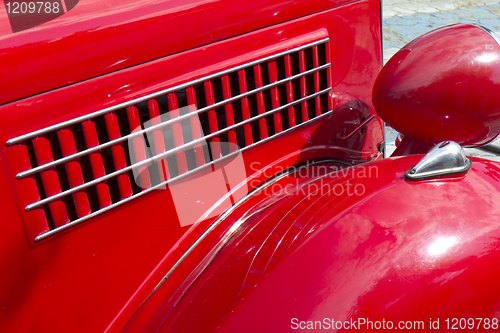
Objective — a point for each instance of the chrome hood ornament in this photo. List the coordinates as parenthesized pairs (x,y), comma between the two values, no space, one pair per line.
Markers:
(446,158)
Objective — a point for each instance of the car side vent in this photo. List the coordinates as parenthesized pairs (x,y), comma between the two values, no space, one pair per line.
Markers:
(91,164)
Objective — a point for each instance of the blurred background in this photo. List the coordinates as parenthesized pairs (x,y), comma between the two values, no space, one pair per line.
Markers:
(405,20)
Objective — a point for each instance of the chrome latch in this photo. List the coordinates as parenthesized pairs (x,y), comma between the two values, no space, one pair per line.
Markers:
(446,158)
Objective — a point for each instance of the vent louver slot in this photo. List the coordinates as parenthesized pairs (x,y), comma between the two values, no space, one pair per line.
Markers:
(91,164)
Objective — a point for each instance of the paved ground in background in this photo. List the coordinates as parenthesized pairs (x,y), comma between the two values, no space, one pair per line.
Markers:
(404,20)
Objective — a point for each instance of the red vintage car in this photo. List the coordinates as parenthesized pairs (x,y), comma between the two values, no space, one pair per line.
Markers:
(199,166)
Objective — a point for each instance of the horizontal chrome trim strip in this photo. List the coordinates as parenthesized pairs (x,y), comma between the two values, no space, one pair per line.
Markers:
(49,165)
(158,93)
(85,218)
(172,151)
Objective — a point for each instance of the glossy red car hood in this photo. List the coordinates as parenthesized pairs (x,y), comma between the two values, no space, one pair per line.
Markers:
(99,37)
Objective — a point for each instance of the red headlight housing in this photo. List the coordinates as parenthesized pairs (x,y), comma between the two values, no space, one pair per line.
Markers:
(444,85)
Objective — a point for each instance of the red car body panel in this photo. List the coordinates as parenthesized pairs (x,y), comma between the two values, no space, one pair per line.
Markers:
(95,277)
(361,242)
(99,37)
(327,240)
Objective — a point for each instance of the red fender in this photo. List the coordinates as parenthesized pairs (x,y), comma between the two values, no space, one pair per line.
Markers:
(355,246)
